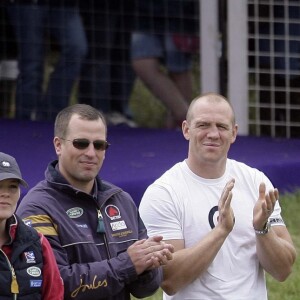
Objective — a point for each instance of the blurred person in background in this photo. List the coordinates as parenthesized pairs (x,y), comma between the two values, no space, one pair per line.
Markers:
(32,21)
(162,48)
(8,63)
(107,77)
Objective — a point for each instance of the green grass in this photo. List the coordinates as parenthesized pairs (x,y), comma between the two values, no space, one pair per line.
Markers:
(147,110)
(290,289)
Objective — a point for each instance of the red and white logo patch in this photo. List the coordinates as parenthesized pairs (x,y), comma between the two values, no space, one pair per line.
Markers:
(112,212)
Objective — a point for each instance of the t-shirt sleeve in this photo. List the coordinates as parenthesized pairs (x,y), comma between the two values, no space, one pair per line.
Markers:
(160,212)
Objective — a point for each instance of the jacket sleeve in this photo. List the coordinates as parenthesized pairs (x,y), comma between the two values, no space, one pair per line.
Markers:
(148,282)
(53,288)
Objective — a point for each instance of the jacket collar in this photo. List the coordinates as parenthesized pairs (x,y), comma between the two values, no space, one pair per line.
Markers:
(11,227)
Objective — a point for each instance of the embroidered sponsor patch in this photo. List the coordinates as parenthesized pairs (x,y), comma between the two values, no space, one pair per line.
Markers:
(112,212)
(118,225)
(122,234)
(36,283)
(74,212)
(34,271)
(82,226)
(30,257)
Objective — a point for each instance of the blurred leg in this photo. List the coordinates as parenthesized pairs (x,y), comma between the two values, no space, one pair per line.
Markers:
(28,22)
(95,82)
(148,67)
(66,26)
(122,73)
(149,70)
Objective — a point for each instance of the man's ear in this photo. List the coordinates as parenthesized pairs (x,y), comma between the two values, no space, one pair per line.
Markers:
(186,130)
(57,145)
(234,133)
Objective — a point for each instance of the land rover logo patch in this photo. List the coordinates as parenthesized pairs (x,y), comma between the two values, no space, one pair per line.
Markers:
(34,271)
(75,212)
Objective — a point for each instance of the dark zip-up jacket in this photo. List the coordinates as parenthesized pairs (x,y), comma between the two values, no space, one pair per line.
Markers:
(90,235)
(21,269)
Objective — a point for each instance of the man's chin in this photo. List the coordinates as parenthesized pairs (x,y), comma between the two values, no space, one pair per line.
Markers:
(87,176)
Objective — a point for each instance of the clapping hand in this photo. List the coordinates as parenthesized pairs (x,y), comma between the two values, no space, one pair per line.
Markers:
(150,253)
(264,206)
(226,215)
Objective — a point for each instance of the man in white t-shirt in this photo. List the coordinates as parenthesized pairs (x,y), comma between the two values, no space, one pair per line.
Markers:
(222,216)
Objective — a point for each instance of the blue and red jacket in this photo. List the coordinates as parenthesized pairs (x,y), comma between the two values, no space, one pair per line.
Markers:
(90,235)
(28,269)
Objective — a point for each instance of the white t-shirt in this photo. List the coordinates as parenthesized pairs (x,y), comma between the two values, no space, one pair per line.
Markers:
(182,205)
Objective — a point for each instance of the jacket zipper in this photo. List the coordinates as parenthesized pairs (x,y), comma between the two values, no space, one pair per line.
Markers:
(14,287)
(101,226)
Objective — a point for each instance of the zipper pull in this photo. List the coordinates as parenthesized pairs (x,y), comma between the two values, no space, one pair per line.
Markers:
(100,227)
(14,284)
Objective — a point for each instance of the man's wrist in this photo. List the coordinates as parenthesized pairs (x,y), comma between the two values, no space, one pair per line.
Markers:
(263,231)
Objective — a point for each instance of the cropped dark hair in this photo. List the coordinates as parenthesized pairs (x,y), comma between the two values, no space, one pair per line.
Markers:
(84,111)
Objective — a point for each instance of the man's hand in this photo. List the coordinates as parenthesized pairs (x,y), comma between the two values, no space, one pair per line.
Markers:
(150,253)
(264,206)
(226,215)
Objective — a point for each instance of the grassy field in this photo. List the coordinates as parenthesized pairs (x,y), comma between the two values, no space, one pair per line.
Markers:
(290,289)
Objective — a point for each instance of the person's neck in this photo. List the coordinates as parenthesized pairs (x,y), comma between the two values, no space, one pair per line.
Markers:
(207,170)
(84,187)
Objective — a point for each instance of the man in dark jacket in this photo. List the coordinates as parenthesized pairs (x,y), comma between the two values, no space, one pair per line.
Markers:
(32,21)
(94,227)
